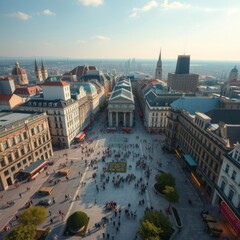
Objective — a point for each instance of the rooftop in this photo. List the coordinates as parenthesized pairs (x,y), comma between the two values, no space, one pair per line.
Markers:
(10,117)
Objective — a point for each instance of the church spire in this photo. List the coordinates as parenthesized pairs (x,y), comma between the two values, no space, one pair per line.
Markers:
(36,66)
(158,73)
(43,67)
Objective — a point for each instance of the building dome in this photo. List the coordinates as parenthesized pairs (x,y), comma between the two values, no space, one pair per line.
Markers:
(234,69)
(18,71)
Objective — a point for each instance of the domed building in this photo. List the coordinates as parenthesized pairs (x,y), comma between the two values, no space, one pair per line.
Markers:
(19,75)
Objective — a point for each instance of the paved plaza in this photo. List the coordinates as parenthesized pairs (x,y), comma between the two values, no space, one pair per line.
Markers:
(94,193)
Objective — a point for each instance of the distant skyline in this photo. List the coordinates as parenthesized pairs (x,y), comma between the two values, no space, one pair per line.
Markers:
(120,29)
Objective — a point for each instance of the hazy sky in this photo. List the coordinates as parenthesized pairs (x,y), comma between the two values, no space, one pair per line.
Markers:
(205,29)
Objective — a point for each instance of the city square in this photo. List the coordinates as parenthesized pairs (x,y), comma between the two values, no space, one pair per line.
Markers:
(91,194)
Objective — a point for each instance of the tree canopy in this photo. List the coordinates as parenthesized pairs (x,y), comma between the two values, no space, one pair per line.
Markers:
(171,194)
(160,221)
(33,215)
(22,232)
(149,231)
(165,179)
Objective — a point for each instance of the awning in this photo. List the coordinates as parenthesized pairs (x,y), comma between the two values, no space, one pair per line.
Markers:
(34,167)
(190,160)
(230,216)
(80,136)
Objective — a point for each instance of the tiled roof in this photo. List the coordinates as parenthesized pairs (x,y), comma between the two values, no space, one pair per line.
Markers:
(122,93)
(156,101)
(28,90)
(228,116)
(88,87)
(60,83)
(5,97)
(48,103)
(196,104)
(80,70)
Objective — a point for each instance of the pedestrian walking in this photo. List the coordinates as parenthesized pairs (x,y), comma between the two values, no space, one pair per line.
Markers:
(103,235)
(20,195)
(51,221)
(50,213)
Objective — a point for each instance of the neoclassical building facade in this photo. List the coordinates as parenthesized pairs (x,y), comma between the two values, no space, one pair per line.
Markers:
(121,105)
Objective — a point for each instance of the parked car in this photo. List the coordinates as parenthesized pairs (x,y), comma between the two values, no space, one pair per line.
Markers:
(45,202)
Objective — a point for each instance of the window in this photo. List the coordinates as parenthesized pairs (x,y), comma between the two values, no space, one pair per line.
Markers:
(16,155)
(234,175)
(25,135)
(22,151)
(230,195)
(3,164)
(9,157)
(6,173)
(24,161)
(13,169)
(227,168)
(5,145)
(35,144)
(19,165)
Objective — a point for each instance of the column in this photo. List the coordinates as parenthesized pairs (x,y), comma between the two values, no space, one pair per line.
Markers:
(124,119)
(131,119)
(110,123)
(116,119)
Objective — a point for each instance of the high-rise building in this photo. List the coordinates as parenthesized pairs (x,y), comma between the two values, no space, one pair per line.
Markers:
(182,80)
(183,64)
(158,73)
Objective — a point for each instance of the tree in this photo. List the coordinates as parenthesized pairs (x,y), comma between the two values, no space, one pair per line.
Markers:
(77,221)
(158,219)
(171,195)
(149,231)
(163,180)
(22,232)
(33,215)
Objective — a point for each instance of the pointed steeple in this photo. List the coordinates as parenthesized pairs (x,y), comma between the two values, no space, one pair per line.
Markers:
(160,55)
(158,73)
(36,66)
(43,67)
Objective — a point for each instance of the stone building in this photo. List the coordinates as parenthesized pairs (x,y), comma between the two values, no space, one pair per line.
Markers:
(227,191)
(63,112)
(202,134)
(24,139)
(19,75)
(121,105)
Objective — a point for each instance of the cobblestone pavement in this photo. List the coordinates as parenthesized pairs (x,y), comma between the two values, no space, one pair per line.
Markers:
(92,201)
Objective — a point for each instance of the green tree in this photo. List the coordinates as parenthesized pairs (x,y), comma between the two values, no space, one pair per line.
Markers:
(160,221)
(163,180)
(33,215)
(171,195)
(149,231)
(22,232)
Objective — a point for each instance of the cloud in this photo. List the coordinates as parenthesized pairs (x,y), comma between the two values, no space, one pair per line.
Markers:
(47,12)
(100,38)
(94,3)
(20,15)
(173,5)
(145,8)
